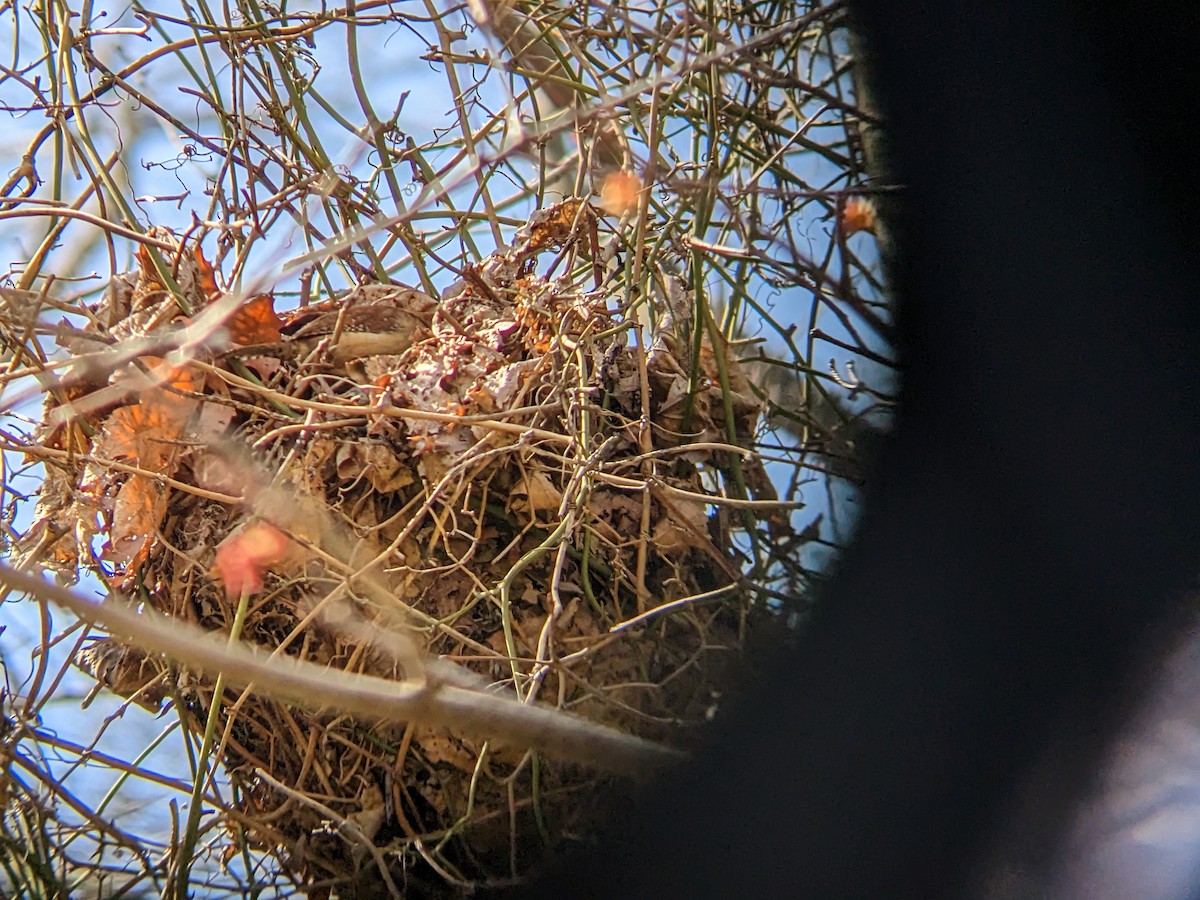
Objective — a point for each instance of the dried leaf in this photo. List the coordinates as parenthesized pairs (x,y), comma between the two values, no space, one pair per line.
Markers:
(255,322)
(206,278)
(439,745)
(140,506)
(384,469)
(550,227)
(683,525)
(212,423)
(145,434)
(538,491)
(145,431)
(148,280)
(311,472)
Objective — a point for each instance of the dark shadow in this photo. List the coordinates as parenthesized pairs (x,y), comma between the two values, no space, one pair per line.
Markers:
(1036,512)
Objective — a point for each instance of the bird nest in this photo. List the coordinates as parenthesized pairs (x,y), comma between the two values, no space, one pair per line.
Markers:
(502,479)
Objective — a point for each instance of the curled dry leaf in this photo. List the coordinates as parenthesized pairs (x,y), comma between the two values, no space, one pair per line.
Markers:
(147,435)
(206,277)
(536,492)
(553,226)
(191,273)
(144,432)
(684,525)
(137,513)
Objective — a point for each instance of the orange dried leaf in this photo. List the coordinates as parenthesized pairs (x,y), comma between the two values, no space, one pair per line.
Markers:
(551,227)
(148,279)
(255,322)
(121,434)
(139,510)
(147,431)
(619,193)
(245,555)
(181,378)
(858,215)
(207,278)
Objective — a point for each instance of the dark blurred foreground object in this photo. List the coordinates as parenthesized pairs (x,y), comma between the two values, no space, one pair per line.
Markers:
(1036,520)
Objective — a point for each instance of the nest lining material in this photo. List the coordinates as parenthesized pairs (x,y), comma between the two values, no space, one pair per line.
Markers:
(504,479)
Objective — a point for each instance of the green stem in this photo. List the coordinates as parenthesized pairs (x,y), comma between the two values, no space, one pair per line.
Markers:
(191,831)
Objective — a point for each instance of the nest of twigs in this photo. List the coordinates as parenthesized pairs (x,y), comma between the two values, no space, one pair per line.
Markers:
(503,477)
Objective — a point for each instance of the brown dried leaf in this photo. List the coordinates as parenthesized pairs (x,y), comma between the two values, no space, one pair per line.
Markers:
(439,745)
(206,278)
(310,473)
(140,506)
(683,525)
(146,434)
(385,471)
(255,322)
(536,492)
(550,227)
